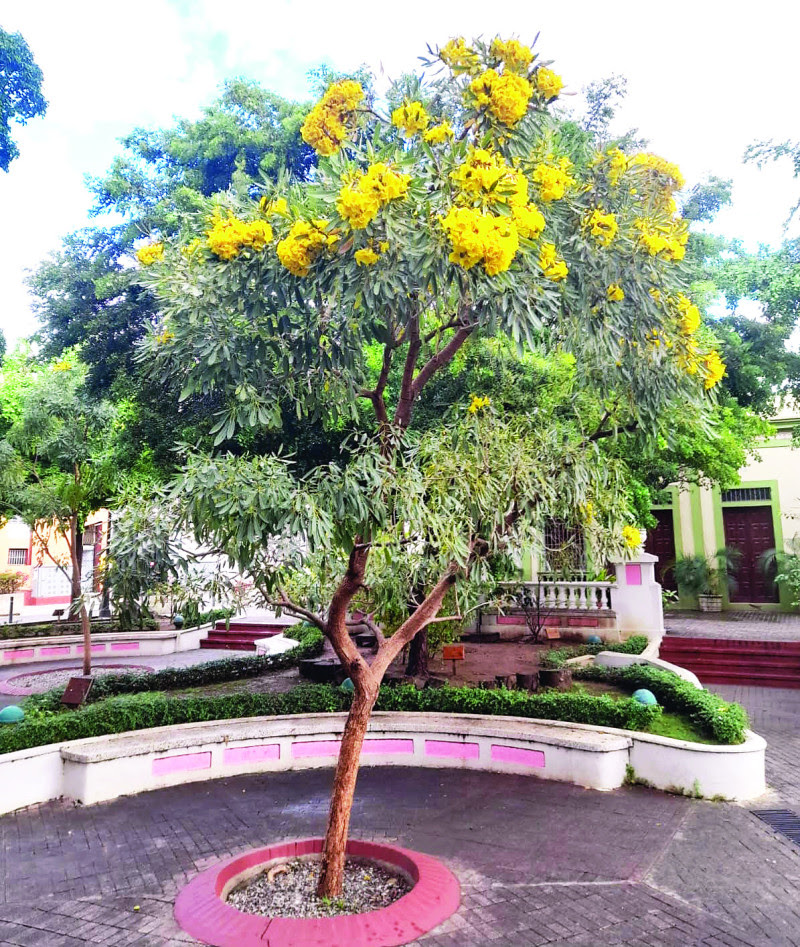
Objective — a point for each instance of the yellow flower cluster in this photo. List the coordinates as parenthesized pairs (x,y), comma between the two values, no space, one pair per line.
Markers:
(411,118)
(326,125)
(229,235)
(515,56)
(658,164)
(439,134)
(688,314)
(363,196)
(553,266)
(603,227)
(486,176)
(164,337)
(303,244)
(478,403)
(615,293)
(529,220)
(192,248)
(274,208)
(549,83)
(478,237)
(150,253)
(553,179)
(615,162)
(657,238)
(506,96)
(587,509)
(62,366)
(632,537)
(713,369)
(458,56)
(366,256)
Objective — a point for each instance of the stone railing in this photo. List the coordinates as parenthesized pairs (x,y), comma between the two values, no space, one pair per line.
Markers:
(573,595)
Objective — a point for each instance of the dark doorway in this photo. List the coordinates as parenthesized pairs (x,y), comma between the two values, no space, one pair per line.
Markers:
(661,542)
(749,530)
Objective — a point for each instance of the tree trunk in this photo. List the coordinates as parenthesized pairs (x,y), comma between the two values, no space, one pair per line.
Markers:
(418,655)
(76,553)
(344,785)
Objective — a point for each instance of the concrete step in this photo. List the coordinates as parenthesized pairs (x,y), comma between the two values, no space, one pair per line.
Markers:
(227,643)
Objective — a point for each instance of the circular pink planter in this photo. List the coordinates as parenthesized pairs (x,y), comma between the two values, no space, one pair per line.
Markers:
(201,912)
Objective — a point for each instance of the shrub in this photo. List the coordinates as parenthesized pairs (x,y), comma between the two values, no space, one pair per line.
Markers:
(56,628)
(724,722)
(556,658)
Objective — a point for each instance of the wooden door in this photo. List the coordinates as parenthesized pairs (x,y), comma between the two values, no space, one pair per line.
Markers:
(749,529)
(661,542)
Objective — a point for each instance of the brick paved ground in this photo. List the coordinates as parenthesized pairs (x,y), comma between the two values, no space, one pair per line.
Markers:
(539,862)
(755,624)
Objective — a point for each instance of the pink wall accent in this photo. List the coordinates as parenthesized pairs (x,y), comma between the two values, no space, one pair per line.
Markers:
(584,622)
(251,754)
(510,619)
(124,645)
(49,600)
(452,748)
(633,573)
(178,764)
(55,649)
(95,648)
(388,746)
(316,748)
(515,754)
(18,653)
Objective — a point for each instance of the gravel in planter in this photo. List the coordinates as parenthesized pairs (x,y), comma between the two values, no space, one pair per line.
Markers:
(292,892)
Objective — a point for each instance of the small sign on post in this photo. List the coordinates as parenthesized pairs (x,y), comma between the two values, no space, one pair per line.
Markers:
(453,652)
(77,691)
(552,634)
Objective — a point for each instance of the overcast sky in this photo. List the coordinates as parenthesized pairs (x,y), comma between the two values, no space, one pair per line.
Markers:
(705,78)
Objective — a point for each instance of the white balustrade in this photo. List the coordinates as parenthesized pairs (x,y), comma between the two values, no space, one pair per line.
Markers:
(581,596)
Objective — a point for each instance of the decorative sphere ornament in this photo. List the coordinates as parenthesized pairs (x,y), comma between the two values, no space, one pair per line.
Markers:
(12,714)
(177,621)
(646,697)
(594,639)
(347,686)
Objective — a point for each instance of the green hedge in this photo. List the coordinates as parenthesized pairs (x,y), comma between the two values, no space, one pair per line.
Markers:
(49,629)
(720,720)
(558,656)
(198,675)
(141,711)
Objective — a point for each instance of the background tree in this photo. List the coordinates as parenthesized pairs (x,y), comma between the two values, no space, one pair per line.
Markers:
(469,214)
(57,463)
(20,91)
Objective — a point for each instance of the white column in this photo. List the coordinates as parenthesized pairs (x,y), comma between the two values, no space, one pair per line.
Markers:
(636,596)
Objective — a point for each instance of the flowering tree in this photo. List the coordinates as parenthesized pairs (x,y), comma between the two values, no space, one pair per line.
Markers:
(469,211)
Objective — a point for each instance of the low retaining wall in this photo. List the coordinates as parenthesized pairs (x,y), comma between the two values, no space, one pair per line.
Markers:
(614,659)
(112,644)
(103,768)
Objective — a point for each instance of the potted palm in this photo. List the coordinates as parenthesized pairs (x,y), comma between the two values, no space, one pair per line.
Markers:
(707,576)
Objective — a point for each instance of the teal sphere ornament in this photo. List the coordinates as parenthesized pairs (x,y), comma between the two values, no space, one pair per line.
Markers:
(594,639)
(177,621)
(347,686)
(12,714)
(646,697)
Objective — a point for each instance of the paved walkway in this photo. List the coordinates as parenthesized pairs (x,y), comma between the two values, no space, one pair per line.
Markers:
(754,624)
(539,862)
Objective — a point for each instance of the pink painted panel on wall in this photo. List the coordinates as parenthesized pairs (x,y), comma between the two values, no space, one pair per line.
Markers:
(633,574)
(179,764)
(515,754)
(388,746)
(316,748)
(510,619)
(251,754)
(95,647)
(21,653)
(125,646)
(452,749)
(56,649)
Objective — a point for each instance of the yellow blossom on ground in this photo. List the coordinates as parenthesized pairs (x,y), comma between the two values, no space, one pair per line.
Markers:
(615,293)
(303,244)
(515,56)
(229,235)
(553,267)
(439,134)
(553,181)
(714,369)
(603,227)
(549,83)
(150,253)
(478,403)
(632,537)
(366,256)
(529,220)
(506,96)
(411,118)
(327,124)
(458,56)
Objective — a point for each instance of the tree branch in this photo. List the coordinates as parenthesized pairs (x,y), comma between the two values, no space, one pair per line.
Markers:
(288,605)
(405,404)
(443,357)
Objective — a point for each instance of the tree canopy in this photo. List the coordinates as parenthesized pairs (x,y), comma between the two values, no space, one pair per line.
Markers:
(20,91)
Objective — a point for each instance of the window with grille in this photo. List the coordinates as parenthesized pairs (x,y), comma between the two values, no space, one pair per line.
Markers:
(564,550)
(745,494)
(18,557)
(91,535)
